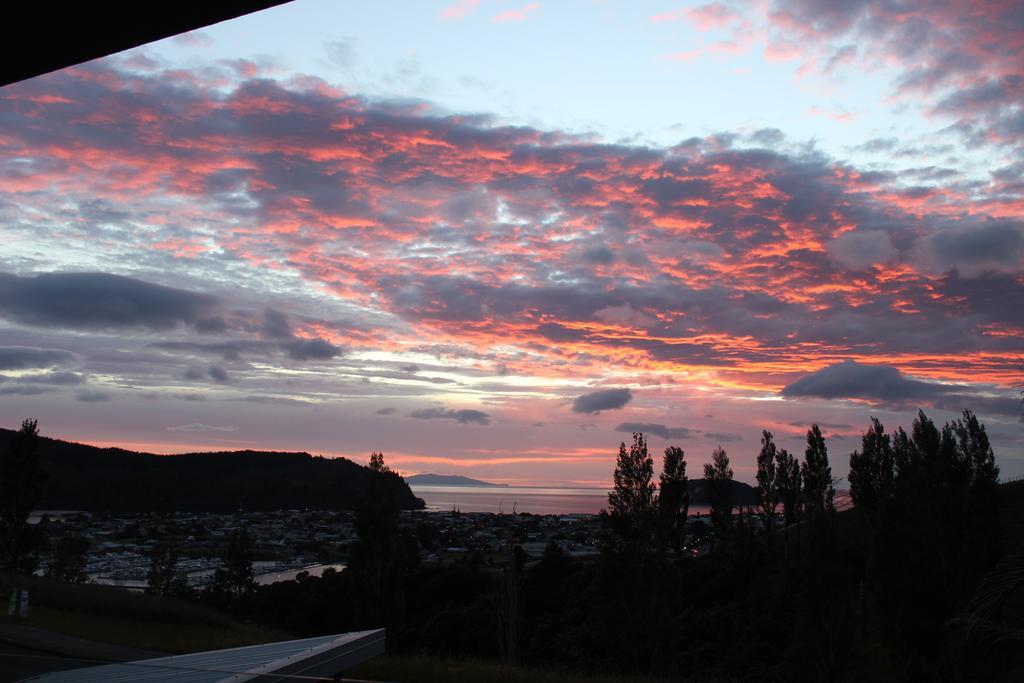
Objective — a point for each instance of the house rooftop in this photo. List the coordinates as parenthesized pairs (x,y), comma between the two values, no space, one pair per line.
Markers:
(311,658)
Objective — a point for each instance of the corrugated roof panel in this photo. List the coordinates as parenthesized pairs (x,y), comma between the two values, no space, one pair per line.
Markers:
(303,657)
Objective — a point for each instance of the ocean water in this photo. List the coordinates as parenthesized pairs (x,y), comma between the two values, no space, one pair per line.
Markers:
(507,499)
(538,500)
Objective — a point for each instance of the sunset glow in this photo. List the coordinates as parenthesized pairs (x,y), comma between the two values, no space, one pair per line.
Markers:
(296,240)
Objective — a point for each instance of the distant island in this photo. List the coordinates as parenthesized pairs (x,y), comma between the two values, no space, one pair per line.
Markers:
(447,480)
(82,477)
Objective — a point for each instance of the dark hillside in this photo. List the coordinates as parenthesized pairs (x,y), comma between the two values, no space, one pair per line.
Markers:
(83,477)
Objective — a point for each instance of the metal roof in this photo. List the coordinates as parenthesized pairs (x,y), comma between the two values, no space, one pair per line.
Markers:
(290,660)
(46,36)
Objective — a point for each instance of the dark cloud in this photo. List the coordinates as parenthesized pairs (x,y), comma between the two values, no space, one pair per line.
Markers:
(388,410)
(312,349)
(275,325)
(464,416)
(851,379)
(23,357)
(977,246)
(722,437)
(656,429)
(823,425)
(599,254)
(229,350)
(862,249)
(604,399)
(217,373)
(98,301)
(56,378)
(885,384)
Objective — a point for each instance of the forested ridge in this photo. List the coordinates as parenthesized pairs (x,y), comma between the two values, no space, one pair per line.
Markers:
(82,477)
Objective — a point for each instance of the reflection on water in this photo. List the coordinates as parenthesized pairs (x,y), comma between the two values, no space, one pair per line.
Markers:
(264,575)
(290,574)
(538,500)
(506,499)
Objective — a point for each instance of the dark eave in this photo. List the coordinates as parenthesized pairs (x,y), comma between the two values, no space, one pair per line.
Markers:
(42,36)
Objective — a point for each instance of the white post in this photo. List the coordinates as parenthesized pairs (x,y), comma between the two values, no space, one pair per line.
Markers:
(23,612)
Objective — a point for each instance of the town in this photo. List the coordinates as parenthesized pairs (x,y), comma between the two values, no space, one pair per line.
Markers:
(288,542)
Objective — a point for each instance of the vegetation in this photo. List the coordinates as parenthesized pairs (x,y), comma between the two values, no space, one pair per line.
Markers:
(81,477)
(917,582)
(842,597)
(427,669)
(718,479)
(139,620)
(69,559)
(164,577)
(21,483)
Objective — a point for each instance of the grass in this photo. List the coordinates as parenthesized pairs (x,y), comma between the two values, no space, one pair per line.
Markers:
(177,638)
(113,615)
(423,669)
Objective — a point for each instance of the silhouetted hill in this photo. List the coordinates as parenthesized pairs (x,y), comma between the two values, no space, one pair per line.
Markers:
(742,494)
(83,477)
(446,480)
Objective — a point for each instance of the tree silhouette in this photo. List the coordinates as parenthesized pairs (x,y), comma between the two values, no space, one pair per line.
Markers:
(872,468)
(767,489)
(673,498)
(164,577)
(718,482)
(787,480)
(21,487)
(631,501)
(377,463)
(379,561)
(816,473)
(69,555)
(936,533)
(235,579)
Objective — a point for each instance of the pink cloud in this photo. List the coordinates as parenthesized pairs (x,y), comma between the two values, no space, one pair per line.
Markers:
(784,51)
(396,211)
(459,10)
(520,14)
(841,116)
(683,57)
(711,16)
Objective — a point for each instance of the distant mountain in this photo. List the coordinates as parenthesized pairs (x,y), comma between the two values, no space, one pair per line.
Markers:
(82,477)
(446,480)
(742,494)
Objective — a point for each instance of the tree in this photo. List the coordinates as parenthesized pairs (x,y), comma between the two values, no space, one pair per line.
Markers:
(631,502)
(787,480)
(507,597)
(673,498)
(69,559)
(767,480)
(718,482)
(872,468)
(235,579)
(164,577)
(935,534)
(381,556)
(816,473)
(21,487)
(377,463)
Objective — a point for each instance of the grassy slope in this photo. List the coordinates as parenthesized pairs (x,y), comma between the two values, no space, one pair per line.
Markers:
(113,615)
(421,669)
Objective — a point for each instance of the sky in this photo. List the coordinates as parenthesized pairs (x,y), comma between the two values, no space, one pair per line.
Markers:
(496,238)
